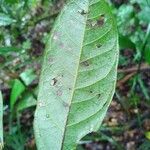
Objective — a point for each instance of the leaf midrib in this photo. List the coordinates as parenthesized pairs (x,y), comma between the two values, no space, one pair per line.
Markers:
(75,81)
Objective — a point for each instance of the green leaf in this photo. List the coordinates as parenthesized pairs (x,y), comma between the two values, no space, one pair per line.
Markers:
(144,15)
(5,50)
(27,101)
(124,13)
(147,54)
(12,1)
(17,89)
(125,42)
(5,20)
(143,88)
(145,145)
(1,121)
(28,76)
(145,10)
(78,76)
(33,3)
(147,134)
(26,45)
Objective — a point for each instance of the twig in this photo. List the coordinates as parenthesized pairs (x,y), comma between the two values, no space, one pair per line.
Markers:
(135,68)
(125,79)
(128,70)
(47,17)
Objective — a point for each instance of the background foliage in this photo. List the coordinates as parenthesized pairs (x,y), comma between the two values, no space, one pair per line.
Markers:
(24,29)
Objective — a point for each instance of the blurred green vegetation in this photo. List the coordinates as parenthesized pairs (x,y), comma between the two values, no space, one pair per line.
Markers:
(24,29)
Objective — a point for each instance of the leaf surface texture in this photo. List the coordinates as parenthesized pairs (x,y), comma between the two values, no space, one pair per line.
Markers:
(78,75)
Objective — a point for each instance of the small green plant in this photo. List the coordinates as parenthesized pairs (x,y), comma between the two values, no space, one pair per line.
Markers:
(1,121)
(78,76)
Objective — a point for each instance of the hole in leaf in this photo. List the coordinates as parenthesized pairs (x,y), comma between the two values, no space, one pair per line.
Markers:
(82,12)
(56,35)
(97,23)
(41,104)
(93,23)
(54,81)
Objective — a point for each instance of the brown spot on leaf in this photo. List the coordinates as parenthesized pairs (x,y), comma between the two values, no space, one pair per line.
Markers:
(85,63)
(101,20)
(96,23)
(59,92)
(82,12)
(98,45)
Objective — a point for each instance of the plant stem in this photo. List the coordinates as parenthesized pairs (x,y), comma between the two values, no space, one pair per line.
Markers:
(143,48)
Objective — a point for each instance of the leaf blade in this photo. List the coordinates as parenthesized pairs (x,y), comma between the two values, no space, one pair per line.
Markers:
(17,89)
(5,20)
(77,75)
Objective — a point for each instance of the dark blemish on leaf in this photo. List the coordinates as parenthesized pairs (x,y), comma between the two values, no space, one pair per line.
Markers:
(47,116)
(91,91)
(69,89)
(59,92)
(96,23)
(101,20)
(82,12)
(99,95)
(65,104)
(98,45)
(89,23)
(54,81)
(41,104)
(85,63)
(61,45)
